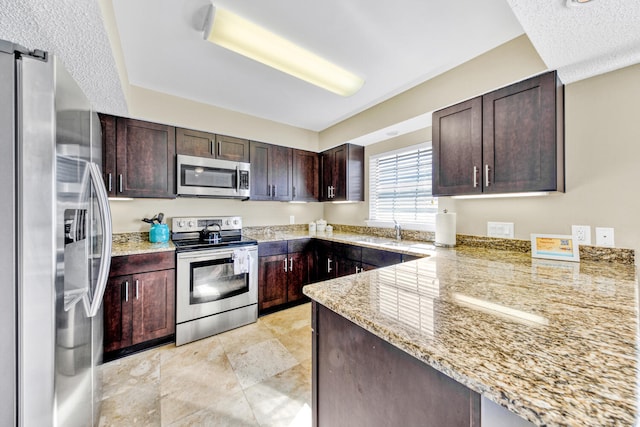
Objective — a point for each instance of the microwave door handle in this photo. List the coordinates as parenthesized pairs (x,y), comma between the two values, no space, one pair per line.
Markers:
(237,180)
(105,255)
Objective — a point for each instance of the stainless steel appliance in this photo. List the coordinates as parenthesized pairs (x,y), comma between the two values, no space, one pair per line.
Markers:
(205,177)
(56,257)
(216,276)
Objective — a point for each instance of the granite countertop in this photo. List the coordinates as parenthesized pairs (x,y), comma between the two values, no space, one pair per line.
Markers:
(554,342)
(409,247)
(137,243)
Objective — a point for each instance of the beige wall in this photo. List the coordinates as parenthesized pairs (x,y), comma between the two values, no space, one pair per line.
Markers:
(127,215)
(602,148)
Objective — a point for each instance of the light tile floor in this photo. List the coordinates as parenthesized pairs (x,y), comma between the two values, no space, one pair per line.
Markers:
(256,375)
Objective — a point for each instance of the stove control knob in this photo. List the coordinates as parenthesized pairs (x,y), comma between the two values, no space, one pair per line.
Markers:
(235,222)
(192,223)
(228,222)
(181,223)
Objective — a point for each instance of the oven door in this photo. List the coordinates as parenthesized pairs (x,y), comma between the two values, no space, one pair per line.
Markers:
(213,281)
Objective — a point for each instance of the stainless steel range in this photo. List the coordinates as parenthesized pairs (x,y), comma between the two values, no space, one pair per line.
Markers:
(216,276)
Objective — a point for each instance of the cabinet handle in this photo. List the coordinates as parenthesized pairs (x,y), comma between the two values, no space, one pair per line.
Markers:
(357,270)
(219,148)
(120,182)
(293,192)
(475,177)
(291,264)
(268,190)
(137,283)
(329,265)
(285,265)
(211,147)
(487,170)
(126,291)
(109,180)
(274,190)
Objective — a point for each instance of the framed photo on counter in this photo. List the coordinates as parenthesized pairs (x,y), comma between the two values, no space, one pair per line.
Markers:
(555,246)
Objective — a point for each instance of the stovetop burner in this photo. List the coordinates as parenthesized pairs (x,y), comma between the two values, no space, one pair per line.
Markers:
(196,233)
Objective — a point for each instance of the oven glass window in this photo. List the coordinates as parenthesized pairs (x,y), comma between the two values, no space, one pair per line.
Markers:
(198,176)
(215,280)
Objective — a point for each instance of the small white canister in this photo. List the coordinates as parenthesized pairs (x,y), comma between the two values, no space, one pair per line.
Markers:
(321,224)
(312,227)
(328,229)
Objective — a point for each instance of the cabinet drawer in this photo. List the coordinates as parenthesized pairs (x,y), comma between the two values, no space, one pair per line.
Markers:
(139,263)
(345,251)
(298,245)
(272,248)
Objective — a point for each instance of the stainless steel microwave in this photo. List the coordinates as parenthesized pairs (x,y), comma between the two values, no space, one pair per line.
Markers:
(204,177)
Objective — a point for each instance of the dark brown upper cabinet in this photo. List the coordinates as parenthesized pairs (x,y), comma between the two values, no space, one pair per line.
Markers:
(306,176)
(205,144)
(342,171)
(516,146)
(457,148)
(271,172)
(138,158)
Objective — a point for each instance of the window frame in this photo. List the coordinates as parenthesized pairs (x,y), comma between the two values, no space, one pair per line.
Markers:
(410,225)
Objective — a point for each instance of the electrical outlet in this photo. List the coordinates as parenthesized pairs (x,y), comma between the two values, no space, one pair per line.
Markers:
(500,229)
(604,236)
(582,234)
(292,219)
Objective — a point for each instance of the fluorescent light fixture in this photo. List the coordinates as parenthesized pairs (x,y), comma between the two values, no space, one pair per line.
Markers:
(571,3)
(235,33)
(502,195)
(120,199)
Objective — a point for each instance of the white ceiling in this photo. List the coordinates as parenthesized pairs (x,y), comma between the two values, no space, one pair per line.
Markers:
(394,46)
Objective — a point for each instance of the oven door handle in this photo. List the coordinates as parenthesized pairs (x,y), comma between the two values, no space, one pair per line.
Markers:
(208,256)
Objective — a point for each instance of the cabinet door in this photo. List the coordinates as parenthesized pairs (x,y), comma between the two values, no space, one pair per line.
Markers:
(270,172)
(345,267)
(118,315)
(260,184)
(280,170)
(195,143)
(519,137)
(305,176)
(326,172)
(154,310)
(380,258)
(325,266)
(457,149)
(299,275)
(230,148)
(272,281)
(145,159)
(108,124)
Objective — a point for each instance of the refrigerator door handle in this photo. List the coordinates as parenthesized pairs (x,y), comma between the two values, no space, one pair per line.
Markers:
(105,256)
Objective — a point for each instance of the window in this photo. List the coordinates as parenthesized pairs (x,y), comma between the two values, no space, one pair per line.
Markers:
(400,188)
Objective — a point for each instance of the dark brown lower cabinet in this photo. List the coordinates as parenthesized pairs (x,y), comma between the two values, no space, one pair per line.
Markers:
(139,301)
(361,380)
(283,269)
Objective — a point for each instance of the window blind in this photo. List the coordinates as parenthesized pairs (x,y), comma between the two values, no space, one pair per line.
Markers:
(400,187)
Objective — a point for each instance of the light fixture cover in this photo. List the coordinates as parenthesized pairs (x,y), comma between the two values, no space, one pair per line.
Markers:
(235,33)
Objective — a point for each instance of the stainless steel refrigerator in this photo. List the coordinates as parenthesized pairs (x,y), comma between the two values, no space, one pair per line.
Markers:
(56,248)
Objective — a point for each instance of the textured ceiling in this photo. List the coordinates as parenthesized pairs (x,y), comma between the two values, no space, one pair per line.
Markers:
(394,47)
(73,31)
(582,40)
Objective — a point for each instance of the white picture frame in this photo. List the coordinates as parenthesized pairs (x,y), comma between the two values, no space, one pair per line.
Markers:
(562,247)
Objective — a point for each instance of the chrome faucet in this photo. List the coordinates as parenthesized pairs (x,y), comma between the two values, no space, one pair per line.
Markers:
(396,227)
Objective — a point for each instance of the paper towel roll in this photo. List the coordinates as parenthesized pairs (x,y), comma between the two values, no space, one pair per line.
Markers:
(445,229)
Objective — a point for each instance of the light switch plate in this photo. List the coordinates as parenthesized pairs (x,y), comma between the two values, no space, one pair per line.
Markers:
(500,229)
(582,234)
(604,236)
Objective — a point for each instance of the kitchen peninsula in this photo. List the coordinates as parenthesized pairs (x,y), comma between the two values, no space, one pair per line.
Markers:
(554,342)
